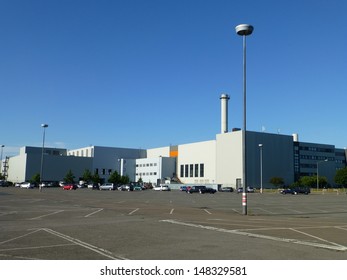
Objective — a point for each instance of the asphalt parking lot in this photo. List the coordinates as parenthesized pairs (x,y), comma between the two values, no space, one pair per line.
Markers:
(153,225)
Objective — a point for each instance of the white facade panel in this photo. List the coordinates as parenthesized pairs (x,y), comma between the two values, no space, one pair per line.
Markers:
(158,152)
(229,158)
(150,170)
(196,163)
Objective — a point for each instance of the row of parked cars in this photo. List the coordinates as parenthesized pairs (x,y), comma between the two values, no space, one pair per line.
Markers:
(204,189)
(106,186)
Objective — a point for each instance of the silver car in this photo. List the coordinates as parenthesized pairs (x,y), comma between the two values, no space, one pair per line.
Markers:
(107,186)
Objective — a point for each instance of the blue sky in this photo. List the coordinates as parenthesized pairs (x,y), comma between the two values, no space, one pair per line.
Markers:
(149,73)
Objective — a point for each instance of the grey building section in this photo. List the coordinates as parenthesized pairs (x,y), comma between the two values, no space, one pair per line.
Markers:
(311,158)
(106,160)
(56,164)
(277,157)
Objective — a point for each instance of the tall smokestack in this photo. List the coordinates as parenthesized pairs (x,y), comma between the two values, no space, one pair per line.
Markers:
(224,112)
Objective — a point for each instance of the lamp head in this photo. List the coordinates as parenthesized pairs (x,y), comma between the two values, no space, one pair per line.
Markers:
(244,29)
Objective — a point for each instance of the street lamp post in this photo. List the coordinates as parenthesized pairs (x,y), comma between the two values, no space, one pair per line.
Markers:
(317,171)
(2,148)
(244,30)
(261,167)
(44,126)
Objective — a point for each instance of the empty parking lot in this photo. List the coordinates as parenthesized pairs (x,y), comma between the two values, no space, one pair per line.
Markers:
(87,224)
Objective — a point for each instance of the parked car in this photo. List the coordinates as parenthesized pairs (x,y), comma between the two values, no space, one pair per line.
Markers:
(4,183)
(69,187)
(124,188)
(201,189)
(27,185)
(248,189)
(107,186)
(93,186)
(226,189)
(137,188)
(288,191)
(183,188)
(296,190)
(162,188)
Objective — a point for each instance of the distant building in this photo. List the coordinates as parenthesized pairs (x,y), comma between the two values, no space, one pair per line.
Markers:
(217,161)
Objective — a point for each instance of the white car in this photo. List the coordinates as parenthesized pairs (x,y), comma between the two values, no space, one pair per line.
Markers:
(27,185)
(107,186)
(162,188)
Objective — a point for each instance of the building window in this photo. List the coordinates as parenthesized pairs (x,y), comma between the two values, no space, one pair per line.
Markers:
(182,171)
(186,171)
(196,171)
(96,171)
(191,169)
(109,171)
(103,171)
(202,171)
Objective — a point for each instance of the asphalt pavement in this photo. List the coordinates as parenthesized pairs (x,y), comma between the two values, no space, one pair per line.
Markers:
(155,225)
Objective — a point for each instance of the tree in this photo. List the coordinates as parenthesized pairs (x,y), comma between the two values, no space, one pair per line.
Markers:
(69,177)
(114,178)
(277,181)
(96,178)
(341,177)
(308,181)
(36,178)
(322,181)
(125,179)
(87,176)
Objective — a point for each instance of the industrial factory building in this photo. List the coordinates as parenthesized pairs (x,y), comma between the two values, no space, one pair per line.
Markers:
(217,161)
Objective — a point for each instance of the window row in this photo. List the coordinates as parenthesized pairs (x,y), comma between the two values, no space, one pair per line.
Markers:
(146,174)
(317,149)
(146,164)
(103,171)
(192,170)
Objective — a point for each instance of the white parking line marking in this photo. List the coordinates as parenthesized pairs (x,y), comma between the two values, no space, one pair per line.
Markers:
(98,250)
(341,228)
(171,211)
(8,213)
(132,212)
(238,212)
(37,247)
(39,217)
(293,210)
(333,246)
(9,240)
(208,212)
(97,211)
(264,210)
(316,237)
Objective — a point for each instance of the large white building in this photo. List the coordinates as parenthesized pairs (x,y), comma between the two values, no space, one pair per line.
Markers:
(217,161)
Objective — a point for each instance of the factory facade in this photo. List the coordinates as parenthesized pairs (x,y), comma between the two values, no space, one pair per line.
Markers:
(217,162)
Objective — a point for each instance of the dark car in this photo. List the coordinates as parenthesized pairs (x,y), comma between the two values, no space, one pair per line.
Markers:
(288,191)
(201,189)
(296,190)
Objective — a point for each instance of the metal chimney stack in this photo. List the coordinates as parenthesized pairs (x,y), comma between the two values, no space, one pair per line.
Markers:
(224,113)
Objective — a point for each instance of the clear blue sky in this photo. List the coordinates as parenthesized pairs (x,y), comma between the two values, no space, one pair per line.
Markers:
(149,73)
